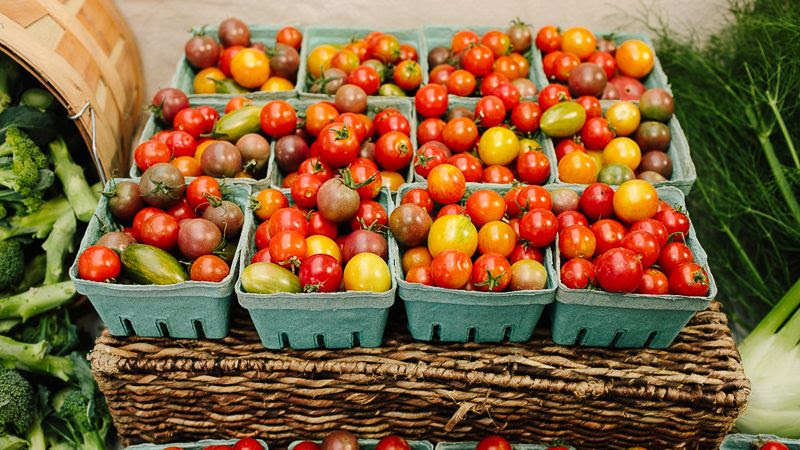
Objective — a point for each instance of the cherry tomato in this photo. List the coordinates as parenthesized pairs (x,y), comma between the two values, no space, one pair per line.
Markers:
(548,39)
(606,62)
(564,64)
(567,218)
(408,75)
(673,255)
(493,442)
(139,219)
(577,273)
(419,197)
(386,48)
(461,82)
(592,106)
(269,201)
(304,190)
(548,64)
(307,445)
(365,77)
(391,119)
(618,270)
(408,53)
(441,74)
(210,116)
(209,268)
(287,247)
(497,237)
(320,273)
(635,200)
(394,150)
(346,60)
(579,41)
(339,145)
(430,130)
(451,269)
(278,118)
(490,111)
(576,241)
(286,219)
(524,251)
(188,166)
(533,197)
(491,273)
(634,58)
(597,201)
(608,234)
(98,263)
(391,180)
(596,133)
(250,68)
(654,282)
(420,274)
(365,175)
(497,174)
(392,442)
(508,94)
(318,225)
(149,153)
(317,167)
(513,208)
(644,244)
(525,117)
(469,165)
(578,168)
(290,36)
(460,134)
(689,279)
(538,227)
(182,210)
(490,82)
(159,230)
(533,167)
(508,67)
(674,222)
(199,191)
(415,257)
(191,121)
(446,184)
(262,238)
(484,206)
(552,94)
(236,103)
(431,100)
(462,40)
(566,146)
(428,156)
(653,227)
(318,116)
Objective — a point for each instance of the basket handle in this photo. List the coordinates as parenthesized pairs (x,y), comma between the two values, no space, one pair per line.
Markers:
(95,157)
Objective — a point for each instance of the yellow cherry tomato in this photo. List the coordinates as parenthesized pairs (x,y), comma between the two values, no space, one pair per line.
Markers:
(635,200)
(579,41)
(414,257)
(322,245)
(250,68)
(634,58)
(201,147)
(624,118)
(577,167)
(528,145)
(188,166)
(597,157)
(497,237)
(320,59)
(276,84)
(391,180)
(346,60)
(453,232)
(367,272)
(204,80)
(623,151)
(498,145)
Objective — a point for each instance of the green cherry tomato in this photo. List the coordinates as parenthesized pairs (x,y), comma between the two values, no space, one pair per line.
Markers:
(563,119)
(391,90)
(269,278)
(615,174)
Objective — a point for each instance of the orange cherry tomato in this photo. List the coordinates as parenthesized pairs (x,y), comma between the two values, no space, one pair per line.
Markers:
(497,237)
(415,257)
(577,167)
(580,41)
(391,179)
(506,66)
(250,68)
(188,166)
(269,201)
(635,58)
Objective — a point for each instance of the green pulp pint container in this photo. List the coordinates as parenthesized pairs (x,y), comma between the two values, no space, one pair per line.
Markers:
(152,126)
(755,441)
(317,320)
(596,318)
(315,36)
(452,315)
(199,445)
(370,444)
(183,78)
(473,445)
(191,309)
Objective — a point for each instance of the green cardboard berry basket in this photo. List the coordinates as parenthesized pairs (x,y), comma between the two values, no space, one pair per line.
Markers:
(454,101)
(317,320)
(595,318)
(473,445)
(191,309)
(199,445)
(684,173)
(463,316)
(153,126)
(369,444)
(183,78)
(755,441)
(339,36)
(442,35)
(374,105)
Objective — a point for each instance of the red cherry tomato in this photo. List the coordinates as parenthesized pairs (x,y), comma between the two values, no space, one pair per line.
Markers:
(484,206)
(564,64)
(320,273)
(566,146)
(307,445)
(508,94)
(98,263)
(493,442)
(469,165)
(577,273)
(597,201)
(538,227)
(576,241)
(497,174)
(548,39)
(491,273)
(618,270)
(392,442)
(393,151)
(592,106)
(391,119)
(533,167)
(210,116)
(552,94)
(286,219)
(181,143)
(151,152)
(430,129)
(674,222)
(451,209)
(490,111)
(191,121)
(689,279)
(524,251)
(431,100)
(478,59)
(460,134)
(674,255)
(606,62)
(322,226)
(139,218)
(365,77)
(596,133)
(608,233)
(654,282)
(339,145)
(451,269)
(199,191)
(182,210)
(491,82)
(532,197)
(653,227)
(525,117)
(567,218)
(419,197)
(160,230)
(644,244)
(287,247)
(428,156)
(370,215)
(304,190)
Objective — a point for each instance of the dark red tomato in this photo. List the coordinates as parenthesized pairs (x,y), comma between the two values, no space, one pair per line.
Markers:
(491,273)
(552,94)
(191,121)
(370,215)
(365,175)
(673,255)
(151,152)
(430,155)
(654,282)
(548,39)
(365,77)
(247,444)
(653,227)
(577,273)
(210,116)
(286,219)
(317,167)
(689,279)
(162,136)
(451,269)
(674,221)
(493,442)
(182,210)
(392,121)
(490,111)
(199,191)
(160,230)
(431,100)
(608,233)
(263,237)
(538,227)
(618,270)
(524,251)
(508,94)
(592,106)
(262,255)
(564,64)
(644,244)
(419,197)
(597,201)
(510,197)
(139,219)
(596,133)
(287,247)
(533,167)
(460,134)
(484,206)
(98,263)
(469,165)
(339,145)
(441,74)
(606,62)
(354,122)
(532,197)
(322,226)
(525,117)
(497,174)
(392,442)
(394,151)
(450,209)
(320,273)
(491,82)
(567,218)
(408,53)
(430,129)
(304,190)
(478,60)
(307,445)
(181,143)
(566,146)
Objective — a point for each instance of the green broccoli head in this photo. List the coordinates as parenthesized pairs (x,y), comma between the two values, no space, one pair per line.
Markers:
(22,147)
(16,401)
(12,263)
(26,173)
(73,408)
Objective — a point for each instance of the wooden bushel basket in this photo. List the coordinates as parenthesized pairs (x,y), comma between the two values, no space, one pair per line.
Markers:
(84,52)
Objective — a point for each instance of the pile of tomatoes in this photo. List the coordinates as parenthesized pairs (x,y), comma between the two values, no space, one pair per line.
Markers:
(377,64)
(235,64)
(333,136)
(333,223)
(490,143)
(592,66)
(345,440)
(481,64)
(624,142)
(625,241)
(186,223)
(241,444)
(506,234)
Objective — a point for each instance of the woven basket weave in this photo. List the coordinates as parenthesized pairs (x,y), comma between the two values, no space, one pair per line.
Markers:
(686,396)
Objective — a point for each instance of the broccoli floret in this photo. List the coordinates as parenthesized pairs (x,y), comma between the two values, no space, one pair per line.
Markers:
(16,402)
(87,426)
(36,300)
(34,358)
(76,188)
(9,73)
(55,328)
(25,172)
(12,263)
(39,223)
(37,98)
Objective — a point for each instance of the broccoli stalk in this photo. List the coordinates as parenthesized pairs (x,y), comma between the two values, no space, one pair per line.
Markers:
(36,300)
(78,412)
(58,245)
(9,73)
(39,223)
(10,442)
(34,358)
(35,435)
(78,192)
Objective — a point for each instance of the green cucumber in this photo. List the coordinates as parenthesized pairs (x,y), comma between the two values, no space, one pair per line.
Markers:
(237,123)
(146,264)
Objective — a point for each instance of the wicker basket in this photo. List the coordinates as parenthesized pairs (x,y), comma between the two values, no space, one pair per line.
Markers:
(685,396)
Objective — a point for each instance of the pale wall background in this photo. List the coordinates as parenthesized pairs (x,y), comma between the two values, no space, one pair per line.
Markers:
(161,26)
